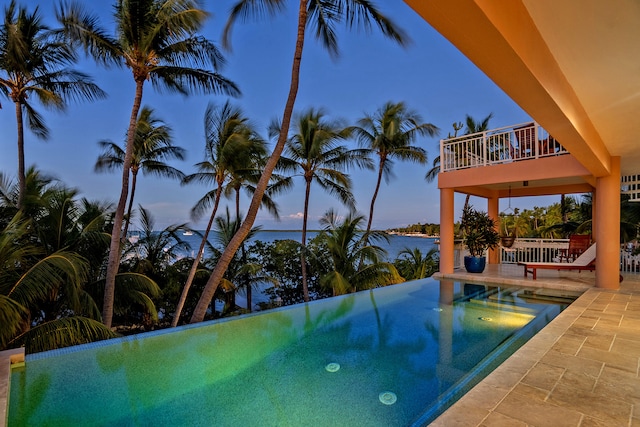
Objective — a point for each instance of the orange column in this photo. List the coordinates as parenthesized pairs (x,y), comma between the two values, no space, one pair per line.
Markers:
(492,210)
(446,231)
(607,230)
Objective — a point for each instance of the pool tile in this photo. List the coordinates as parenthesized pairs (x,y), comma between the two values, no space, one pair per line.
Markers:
(625,346)
(568,344)
(531,391)
(601,342)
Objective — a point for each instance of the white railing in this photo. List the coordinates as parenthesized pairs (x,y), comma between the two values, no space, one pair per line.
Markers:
(544,250)
(533,250)
(496,146)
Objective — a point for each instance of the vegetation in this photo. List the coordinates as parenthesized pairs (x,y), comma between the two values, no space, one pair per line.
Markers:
(69,270)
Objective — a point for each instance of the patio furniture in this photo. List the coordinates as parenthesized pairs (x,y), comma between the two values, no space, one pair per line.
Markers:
(586,261)
(578,243)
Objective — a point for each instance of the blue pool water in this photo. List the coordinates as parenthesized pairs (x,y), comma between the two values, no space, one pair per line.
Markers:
(394,356)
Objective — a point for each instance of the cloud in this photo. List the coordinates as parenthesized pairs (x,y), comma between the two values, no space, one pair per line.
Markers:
(298,215)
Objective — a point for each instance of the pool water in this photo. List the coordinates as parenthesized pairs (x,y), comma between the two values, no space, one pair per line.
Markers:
(394,356)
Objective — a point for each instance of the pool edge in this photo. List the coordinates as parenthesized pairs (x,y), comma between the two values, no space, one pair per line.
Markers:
(474,407)
(7,357)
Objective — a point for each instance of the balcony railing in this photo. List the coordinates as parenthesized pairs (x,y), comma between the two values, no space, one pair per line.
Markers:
(543,250)
(496,146)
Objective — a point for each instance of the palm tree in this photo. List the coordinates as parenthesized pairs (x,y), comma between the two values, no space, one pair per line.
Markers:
(324,15)
(356,264)
(152,145)
(389,134)
(313,153)
(33,65)
(157,40)
(413,265)
(241,274)
(233,147)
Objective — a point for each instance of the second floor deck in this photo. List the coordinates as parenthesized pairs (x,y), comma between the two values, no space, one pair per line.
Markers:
(497,146)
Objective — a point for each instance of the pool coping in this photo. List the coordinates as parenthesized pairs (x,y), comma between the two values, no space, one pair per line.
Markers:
(7,358)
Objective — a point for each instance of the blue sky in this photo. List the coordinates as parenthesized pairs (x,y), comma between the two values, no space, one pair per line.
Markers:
(430,76)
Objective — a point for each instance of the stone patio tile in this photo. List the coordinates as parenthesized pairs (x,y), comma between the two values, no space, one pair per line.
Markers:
(628,322)
(635,422)
(607,324)
(485,396)
(610,358)
(578,380)
(543,376)
(569,344)
(601,342)
(496,419)
(574,363)
(537,412)
(618,384)
(613,411)
(530,391)
(630,334)
(461,415)
(586,321)
(588,421)
(629,347)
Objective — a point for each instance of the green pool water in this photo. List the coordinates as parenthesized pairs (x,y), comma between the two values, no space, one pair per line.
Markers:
(394,356)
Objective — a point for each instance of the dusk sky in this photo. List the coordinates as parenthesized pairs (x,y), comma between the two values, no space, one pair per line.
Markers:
(430,76)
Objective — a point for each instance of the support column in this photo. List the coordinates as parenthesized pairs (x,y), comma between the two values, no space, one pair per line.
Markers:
(492,210)
(446,230)
(607,228)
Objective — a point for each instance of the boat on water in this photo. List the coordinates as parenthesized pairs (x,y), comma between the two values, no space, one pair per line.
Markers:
(187,233)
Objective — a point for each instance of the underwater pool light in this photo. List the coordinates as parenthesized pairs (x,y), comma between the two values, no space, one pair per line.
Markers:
(332,367)
(388,397)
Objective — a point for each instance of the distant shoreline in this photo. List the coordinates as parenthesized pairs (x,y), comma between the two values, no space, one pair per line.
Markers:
(426,236)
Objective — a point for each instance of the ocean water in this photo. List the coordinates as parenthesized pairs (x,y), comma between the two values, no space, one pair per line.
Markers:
(395,245)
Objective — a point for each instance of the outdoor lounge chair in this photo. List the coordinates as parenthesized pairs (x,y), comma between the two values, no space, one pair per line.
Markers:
(586,261)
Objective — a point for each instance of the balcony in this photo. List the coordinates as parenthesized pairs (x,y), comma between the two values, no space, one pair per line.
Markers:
(498,146)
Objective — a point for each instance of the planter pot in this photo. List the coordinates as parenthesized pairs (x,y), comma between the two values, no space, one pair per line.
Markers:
(474,264)
(507,241)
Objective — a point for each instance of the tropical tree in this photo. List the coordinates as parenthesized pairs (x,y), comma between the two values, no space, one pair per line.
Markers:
(242,275)
(356,264)
(412,264)
(313,152)
(34,62)
(152,146)
(389,134)
(324,16)
(234,150)
(157,40)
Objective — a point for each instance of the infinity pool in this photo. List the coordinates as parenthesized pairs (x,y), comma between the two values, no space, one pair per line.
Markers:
(394,356)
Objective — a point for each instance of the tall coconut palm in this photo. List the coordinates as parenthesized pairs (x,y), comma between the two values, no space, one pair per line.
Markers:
(313,152)
(324,16)
(157,40)
(33,65)
(356,263)
(389,134)
(152,145)
(232,146)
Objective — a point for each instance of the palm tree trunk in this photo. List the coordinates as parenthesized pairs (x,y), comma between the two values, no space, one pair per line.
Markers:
(114,249)
(375,194)
(305,216)
(245,228)
(134,179)
(22,179)
(196,262)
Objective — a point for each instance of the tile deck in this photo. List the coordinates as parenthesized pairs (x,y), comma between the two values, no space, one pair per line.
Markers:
(581,370)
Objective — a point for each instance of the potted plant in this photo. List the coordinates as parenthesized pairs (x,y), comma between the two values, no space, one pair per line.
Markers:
(508,231)
(479,234)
